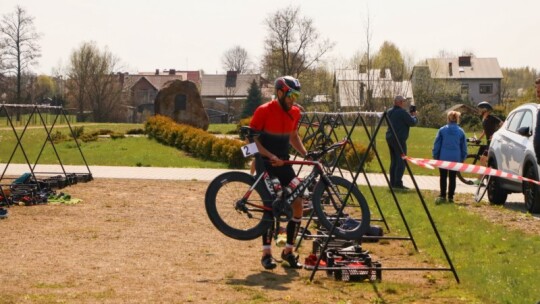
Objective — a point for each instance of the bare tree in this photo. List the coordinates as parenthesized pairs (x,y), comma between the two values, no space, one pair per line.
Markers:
(93,84)
(236,59)
(20,49)
(293,45)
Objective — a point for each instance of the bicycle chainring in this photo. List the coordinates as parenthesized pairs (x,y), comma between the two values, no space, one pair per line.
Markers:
(281,210)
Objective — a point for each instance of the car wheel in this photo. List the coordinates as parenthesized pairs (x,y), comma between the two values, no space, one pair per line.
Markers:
(531,191)
(496,194)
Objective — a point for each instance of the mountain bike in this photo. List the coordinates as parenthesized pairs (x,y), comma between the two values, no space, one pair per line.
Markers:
(243,206)
(472,158)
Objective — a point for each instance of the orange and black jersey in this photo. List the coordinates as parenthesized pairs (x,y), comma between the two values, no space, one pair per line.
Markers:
(275,126)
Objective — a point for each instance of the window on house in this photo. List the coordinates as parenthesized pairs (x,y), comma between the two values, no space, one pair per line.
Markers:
(486,88)
(465,89)
(180,102)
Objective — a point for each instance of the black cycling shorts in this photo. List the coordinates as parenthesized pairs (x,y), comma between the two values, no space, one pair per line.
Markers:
(284,173)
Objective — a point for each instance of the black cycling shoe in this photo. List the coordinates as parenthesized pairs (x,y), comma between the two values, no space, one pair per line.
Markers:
(268,262)
(291,260)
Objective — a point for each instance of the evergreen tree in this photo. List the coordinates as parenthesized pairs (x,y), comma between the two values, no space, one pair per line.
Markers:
(253,100)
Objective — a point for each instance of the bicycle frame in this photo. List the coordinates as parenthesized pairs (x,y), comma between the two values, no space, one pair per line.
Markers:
(318,170)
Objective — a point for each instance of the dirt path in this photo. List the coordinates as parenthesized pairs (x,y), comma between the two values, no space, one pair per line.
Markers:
(151,242)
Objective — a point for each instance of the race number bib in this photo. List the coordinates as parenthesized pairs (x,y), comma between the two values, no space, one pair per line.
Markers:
(249,149)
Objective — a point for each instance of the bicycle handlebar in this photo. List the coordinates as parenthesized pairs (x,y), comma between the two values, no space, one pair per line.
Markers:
(317,154)
(474,140)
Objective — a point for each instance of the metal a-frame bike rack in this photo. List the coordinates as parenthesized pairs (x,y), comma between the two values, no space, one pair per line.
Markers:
(383,117)
(63,178)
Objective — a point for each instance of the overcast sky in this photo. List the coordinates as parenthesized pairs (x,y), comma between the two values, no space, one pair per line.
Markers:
(193,35)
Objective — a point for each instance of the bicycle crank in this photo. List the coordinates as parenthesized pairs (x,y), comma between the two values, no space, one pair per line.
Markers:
(281,210)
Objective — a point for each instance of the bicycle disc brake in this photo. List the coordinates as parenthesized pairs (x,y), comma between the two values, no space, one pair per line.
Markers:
(281,210)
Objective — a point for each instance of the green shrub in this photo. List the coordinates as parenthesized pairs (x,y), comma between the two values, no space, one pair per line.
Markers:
(104,132)
(78,131)
(352,157)
(88,137)
(135,131)
(198,142)
(58,137)
(117,135)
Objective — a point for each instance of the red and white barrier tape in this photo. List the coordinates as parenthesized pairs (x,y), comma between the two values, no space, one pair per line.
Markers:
(467,168)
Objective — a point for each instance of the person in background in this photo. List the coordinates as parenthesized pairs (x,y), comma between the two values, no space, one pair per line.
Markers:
(277,122)
(401,121)
(450,145)
(490,124)
(536,139)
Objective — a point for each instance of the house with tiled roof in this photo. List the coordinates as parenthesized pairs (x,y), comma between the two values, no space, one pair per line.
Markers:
(223,95)
(227,93)
(475,79)
(140,89)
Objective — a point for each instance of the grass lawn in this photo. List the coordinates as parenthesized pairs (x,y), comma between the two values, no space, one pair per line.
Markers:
(129,151)
(143,152)
(495,264)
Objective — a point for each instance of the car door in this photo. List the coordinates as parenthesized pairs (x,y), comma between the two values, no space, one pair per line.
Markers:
(521,141)
(508,144)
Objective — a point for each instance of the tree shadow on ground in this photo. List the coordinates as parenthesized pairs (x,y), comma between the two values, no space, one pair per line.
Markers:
(267,280)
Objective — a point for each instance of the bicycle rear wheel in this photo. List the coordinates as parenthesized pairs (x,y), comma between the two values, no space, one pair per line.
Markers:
(355,219)
(469,178)
(232,211)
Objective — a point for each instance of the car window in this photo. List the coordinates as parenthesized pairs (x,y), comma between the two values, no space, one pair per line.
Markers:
(508,120)
(526,121)
(514,122)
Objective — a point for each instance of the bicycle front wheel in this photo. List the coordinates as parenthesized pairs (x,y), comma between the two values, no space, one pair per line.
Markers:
(354,221)
(235,211)
(482,188)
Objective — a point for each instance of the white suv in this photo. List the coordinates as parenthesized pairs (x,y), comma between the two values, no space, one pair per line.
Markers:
(512,150)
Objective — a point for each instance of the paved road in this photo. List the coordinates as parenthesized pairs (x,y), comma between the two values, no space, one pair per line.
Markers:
(375,179)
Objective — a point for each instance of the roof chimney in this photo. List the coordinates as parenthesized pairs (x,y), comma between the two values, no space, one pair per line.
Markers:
(464,61)
(230,79)
(172,72)
(449,69)
(121,77)
(157,71)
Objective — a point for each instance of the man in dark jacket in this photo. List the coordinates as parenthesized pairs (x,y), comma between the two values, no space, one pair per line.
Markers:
(536,140)
(401,121)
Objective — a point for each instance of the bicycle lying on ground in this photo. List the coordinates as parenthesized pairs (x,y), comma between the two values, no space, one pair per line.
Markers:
(243,206)
(472,159)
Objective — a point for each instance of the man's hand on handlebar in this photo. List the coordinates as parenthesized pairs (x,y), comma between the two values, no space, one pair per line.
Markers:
(313,155)
(474,140)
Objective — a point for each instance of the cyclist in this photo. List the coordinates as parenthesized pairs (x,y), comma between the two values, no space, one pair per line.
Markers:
(490,124)
(277,122)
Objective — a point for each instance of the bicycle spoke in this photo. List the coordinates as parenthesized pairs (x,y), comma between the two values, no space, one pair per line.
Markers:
(226,199)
